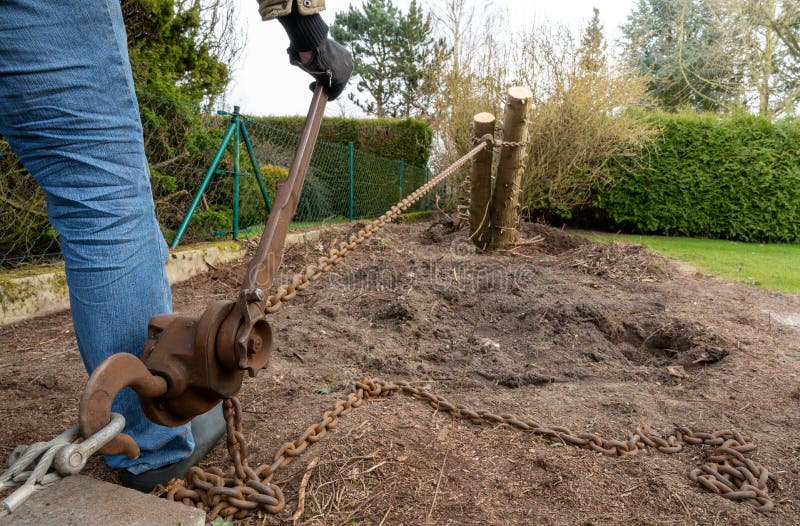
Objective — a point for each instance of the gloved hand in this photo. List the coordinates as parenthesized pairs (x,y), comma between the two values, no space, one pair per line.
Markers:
(331,66)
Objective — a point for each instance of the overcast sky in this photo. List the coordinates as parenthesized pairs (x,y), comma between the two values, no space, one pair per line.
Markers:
(265,84)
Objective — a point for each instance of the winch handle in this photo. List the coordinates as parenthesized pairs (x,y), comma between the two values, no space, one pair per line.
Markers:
(265,263)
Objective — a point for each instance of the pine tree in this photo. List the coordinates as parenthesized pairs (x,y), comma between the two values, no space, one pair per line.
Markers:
(169,51)
(394,55)
(592,52)
(419,60)
(687,54)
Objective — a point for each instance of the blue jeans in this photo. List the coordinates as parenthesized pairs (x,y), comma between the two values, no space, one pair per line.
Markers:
(69,111)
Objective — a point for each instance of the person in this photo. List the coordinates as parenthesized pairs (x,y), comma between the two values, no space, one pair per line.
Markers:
(68,109)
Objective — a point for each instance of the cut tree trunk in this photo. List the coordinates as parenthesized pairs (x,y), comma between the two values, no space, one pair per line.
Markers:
(505,208)
(481,182)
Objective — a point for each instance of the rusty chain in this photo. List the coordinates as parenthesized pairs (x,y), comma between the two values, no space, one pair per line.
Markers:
(313,271)
(243,490)
(497,143)
(727,472)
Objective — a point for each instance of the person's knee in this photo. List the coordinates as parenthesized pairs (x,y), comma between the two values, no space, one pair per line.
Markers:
(94,173)
(114,227)
(101,206)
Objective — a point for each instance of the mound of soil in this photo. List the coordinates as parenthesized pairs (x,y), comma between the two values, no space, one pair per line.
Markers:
(618,261)
(556,241)
(439,229)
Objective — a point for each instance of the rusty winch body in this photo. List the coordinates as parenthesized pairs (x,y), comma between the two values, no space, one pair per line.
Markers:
(204,360)
(189,364)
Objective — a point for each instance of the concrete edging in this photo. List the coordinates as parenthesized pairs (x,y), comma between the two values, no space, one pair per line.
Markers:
(82,500)
(43,290)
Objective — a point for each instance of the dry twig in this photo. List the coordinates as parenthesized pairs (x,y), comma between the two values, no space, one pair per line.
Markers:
(438,484)
(301,493)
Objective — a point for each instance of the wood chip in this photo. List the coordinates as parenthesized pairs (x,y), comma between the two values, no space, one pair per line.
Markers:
(677,371)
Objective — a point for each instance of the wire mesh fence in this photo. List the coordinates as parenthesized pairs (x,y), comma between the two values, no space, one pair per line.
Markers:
(181,143)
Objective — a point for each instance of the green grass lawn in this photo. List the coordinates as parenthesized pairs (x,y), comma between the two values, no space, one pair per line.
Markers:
(771,266)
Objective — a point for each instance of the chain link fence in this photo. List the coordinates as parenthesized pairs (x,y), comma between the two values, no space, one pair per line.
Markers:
(181,143)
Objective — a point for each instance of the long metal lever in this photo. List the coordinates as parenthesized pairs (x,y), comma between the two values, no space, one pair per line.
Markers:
(264,265)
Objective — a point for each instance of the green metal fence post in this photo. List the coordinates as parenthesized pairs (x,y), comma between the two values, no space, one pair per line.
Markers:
(200,191)
(262,185)
(236,142)
(352,170)
(402,176)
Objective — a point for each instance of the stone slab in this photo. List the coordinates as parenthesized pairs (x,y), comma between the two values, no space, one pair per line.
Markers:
(34,292)
(84,501)
(297,238)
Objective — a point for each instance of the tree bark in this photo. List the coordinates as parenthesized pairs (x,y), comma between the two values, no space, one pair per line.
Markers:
(481,182)
(505,210)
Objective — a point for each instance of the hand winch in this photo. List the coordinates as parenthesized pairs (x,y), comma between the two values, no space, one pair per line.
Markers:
(188,363)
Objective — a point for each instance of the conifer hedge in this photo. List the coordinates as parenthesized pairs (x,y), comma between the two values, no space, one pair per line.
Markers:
(728,177)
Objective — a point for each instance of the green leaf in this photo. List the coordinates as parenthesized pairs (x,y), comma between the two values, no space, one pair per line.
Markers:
(219,521)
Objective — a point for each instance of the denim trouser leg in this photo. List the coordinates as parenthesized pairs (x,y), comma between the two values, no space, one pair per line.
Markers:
(69,111)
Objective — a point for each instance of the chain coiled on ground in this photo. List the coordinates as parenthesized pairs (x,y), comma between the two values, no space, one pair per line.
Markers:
(243,490)
(313,271)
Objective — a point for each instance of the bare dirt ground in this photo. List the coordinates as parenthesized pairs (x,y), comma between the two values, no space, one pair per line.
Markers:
(564,332)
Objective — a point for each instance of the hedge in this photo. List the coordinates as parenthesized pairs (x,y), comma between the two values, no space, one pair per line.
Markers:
(406,139)
(728,177)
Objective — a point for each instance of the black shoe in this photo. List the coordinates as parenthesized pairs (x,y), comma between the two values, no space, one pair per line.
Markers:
(207,429)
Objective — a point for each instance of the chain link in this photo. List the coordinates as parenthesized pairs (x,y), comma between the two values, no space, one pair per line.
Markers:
(242,490)
(313,271)
(498,144)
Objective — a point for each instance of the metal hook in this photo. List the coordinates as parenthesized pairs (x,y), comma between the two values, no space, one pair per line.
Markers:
(108,379)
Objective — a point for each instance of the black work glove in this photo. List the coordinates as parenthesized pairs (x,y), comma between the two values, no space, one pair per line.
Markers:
(331,66)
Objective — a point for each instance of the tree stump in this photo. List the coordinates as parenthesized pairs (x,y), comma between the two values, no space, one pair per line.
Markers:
(505,208)
(481,182)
